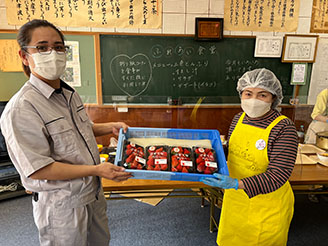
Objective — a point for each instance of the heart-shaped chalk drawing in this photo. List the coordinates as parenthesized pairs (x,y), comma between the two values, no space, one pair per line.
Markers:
(131,74)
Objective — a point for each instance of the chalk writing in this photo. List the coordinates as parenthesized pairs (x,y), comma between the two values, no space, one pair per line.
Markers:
(131,74)
(169,52)
(158,51)
(184,73)
(134,74)
(234,69)
(198,85)
(181,68)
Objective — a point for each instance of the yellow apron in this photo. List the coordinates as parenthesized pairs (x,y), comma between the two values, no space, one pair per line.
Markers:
(264,219)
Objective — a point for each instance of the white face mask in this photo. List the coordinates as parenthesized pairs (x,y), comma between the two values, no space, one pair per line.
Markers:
(50,66)
(254,107)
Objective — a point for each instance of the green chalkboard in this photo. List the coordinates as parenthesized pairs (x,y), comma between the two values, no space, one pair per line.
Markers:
(157,69)
(11,82)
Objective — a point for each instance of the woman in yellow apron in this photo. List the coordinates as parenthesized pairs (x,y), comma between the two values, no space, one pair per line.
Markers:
(258,202)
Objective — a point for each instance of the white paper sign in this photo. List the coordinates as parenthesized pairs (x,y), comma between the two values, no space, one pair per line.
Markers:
(319,77)
(268,46)
(72,75)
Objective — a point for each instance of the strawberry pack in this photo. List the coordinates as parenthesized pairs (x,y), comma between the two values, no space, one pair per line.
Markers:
(181,160)
(205,159)
(134,156)
(172,153)
(157,158)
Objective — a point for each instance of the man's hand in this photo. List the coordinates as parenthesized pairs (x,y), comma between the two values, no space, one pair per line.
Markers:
(113,172)
(101,129)
(116,126)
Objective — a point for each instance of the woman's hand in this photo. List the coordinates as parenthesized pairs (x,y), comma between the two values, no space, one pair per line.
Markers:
(221,181)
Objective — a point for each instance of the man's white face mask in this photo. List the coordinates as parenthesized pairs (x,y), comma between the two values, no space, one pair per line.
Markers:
(255,108)
(50,66)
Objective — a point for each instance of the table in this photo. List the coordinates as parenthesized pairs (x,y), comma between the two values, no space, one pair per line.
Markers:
(308,179)
(305,179)
(137,186)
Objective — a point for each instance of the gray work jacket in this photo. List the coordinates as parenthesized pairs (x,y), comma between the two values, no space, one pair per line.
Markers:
(40,126)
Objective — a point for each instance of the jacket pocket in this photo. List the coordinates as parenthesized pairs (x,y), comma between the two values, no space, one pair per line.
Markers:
(83,115)
(62,136)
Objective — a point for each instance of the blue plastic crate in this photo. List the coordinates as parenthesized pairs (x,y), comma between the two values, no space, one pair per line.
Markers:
(175,133)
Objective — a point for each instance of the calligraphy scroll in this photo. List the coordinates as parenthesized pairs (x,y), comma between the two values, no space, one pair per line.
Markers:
(88,13)
(9,58)
(261,15)
(319,20)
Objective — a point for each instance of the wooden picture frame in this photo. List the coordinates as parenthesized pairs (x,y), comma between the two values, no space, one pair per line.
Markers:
(208,29)
(300,48)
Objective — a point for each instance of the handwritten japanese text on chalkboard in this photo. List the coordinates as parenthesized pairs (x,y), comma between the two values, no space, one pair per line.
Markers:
(151,69)
(133,74)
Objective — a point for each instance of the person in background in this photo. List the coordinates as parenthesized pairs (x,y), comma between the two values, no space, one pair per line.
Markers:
(318,124)
(258,202)
(319,116)
(51,141)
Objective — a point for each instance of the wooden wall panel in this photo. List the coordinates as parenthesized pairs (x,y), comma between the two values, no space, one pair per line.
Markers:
(135,117)
(207,118)
(176,117)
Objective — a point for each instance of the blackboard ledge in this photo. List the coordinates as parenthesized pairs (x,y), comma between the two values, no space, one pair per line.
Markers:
(169,106)
(180,106)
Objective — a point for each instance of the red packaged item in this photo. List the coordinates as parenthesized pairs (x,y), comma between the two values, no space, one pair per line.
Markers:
(205,160)
(134,156)
(157,158)
(181,160)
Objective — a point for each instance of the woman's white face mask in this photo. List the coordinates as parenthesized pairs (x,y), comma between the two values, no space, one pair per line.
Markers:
(50,66)
(255,108)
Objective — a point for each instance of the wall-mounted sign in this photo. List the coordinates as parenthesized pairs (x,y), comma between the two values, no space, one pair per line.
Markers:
(299,73)
(209,29)
(300,48)
(268,46)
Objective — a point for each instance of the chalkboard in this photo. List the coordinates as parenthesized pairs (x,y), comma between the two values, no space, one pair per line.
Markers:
(161,69)
(11,82)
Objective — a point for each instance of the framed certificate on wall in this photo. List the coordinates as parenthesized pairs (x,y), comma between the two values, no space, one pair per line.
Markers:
(208,29)
(300,48)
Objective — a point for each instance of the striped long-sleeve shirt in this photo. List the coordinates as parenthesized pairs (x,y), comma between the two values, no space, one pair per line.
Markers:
(282,151)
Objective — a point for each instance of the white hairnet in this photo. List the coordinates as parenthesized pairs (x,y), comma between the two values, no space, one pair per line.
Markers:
(261,78)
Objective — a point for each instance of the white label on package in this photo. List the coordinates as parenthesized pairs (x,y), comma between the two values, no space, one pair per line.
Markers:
(186,163)
(211,164)
(160,161)
(141,160)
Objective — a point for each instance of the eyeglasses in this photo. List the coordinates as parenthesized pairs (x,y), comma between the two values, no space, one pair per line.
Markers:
(46,50)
